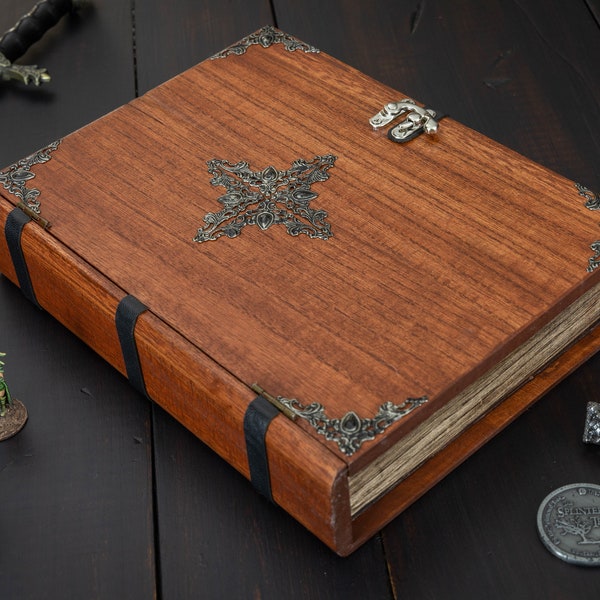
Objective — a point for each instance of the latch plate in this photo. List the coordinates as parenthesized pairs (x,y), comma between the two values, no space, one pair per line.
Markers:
(416,120)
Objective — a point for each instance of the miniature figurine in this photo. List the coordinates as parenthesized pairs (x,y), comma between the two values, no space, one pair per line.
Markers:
(5,399)
(13,414)
(591,434)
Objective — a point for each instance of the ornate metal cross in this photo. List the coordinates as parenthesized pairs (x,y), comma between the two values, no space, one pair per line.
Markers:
(267,197)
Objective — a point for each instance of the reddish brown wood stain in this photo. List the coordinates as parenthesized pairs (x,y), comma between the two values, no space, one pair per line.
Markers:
(447,253)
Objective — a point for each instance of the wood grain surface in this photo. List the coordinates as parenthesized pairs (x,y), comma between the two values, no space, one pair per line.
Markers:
(522,73)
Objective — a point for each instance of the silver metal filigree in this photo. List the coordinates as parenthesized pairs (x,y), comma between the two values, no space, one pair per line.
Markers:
(594,261)
(266,37)
(267,197)
(351,431)
(592,201)
(15,178)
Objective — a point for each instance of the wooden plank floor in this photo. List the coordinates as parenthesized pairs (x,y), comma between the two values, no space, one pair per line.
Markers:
(105,496)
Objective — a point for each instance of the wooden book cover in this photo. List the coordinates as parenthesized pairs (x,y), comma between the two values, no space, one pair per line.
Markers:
(398,291)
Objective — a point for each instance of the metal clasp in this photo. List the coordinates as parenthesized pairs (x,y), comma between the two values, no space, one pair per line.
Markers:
(276,402)
(417,120)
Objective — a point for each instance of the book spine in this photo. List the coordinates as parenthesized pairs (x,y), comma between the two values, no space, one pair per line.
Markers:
(187,383)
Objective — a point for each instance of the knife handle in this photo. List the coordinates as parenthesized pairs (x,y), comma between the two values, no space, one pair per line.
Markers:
(31,27)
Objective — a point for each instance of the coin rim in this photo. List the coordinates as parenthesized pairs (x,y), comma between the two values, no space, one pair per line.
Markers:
(565,556)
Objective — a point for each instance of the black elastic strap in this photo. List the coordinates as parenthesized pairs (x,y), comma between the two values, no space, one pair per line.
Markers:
(259,414)
(128,311)
(13,228)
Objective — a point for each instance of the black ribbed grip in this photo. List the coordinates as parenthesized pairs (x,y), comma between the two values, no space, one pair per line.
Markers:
(43,16)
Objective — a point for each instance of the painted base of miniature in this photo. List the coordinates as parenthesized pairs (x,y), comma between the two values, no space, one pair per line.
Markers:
(14,420)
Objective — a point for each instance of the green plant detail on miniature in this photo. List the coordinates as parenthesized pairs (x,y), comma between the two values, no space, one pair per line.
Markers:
(5,399)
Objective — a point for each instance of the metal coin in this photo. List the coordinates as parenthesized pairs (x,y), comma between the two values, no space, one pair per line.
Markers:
(569,523)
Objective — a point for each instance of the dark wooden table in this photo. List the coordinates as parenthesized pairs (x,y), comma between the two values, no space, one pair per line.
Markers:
(104,496)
